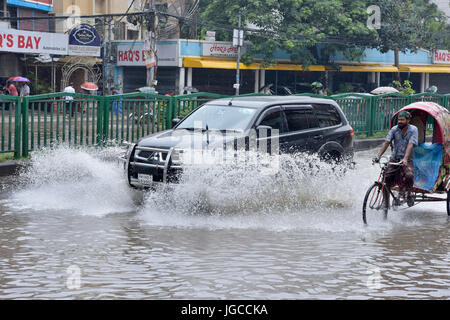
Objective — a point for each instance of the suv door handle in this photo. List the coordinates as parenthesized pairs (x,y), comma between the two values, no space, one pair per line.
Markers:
(318,137)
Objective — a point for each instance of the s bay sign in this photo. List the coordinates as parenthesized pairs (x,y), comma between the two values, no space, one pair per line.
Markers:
(13,40)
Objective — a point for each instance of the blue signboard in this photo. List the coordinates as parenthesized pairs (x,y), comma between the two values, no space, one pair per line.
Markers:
(84,41)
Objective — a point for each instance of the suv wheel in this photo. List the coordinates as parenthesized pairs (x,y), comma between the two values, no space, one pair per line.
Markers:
(332,157)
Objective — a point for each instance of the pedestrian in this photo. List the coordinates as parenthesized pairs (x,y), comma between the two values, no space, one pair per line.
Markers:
(24,90)
(12,90)
(69,99)
(117,103)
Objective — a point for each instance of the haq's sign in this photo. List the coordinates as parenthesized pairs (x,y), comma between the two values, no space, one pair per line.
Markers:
(441,56)
(84,41)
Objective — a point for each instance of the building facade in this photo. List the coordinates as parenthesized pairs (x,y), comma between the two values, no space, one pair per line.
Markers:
(211,66)
(10,64)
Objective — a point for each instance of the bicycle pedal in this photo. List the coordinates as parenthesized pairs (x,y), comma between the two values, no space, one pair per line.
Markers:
(410,201)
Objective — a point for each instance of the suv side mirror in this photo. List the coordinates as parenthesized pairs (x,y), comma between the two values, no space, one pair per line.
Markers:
(175,121)
(262,127)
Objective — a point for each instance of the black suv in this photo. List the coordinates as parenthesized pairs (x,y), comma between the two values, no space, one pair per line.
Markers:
(301,124)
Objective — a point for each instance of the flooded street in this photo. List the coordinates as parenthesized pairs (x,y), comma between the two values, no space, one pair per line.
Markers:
(71,228)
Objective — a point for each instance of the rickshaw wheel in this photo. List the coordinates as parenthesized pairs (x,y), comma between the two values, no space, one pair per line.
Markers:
(448,202)
(369,205)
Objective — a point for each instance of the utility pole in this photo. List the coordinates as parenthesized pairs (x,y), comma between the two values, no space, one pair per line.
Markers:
(109,55)
(238,36)
(152,39)
(52,76)
(5,9)
(104,57)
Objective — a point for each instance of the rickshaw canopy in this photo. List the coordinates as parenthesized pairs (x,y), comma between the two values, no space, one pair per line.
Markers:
(442,122)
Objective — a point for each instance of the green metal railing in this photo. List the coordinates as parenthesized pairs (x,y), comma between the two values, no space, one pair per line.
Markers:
(10,109)
(184,104)
(56,118)
(39,121)
(132,116)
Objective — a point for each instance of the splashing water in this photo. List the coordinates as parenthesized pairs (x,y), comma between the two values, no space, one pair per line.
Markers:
(81,180)
(304,193)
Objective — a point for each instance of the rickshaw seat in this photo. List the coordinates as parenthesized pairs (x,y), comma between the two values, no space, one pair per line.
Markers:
(427,163)
(418,122)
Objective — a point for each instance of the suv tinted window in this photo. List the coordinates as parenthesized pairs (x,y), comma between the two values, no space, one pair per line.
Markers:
(298,119)
(327,115)
(273,119)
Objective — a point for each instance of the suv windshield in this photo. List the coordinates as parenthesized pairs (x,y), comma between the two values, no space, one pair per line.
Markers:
(219,118)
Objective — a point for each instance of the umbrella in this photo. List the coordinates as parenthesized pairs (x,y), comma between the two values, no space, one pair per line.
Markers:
(317,84)
(89,86)
(381,90)
(190,89)
(147,89)
(18,79)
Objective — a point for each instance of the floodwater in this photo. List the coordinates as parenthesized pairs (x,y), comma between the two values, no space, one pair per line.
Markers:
(70,228)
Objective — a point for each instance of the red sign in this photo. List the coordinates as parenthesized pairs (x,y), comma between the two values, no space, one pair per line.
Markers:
(135,55)
(219,49)
(130,57)
(13,40)
(441,56)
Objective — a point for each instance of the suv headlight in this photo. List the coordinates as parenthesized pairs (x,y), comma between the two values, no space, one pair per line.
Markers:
(177,156)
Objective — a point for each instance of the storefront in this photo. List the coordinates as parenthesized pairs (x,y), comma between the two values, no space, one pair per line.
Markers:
(15,44)
(130,72)
(211,66)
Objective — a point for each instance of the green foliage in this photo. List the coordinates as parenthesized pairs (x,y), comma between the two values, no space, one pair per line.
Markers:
(345,87)
(411,25)
(376,135)
(313,31)
(40,87)
(405,89)
(310,31)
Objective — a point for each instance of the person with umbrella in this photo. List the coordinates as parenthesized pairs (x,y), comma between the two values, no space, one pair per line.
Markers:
(12,90)
(317,87)
(87,87)
(24,89)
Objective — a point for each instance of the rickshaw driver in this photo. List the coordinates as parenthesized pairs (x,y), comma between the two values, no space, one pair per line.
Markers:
(405,137)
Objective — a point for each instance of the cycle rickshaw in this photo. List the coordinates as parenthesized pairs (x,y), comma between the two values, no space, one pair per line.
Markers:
(431,164)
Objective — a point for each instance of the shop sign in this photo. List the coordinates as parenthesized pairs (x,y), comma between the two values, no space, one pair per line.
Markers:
(441,56)
(216,49)
(12,40)
(133,54)
(84,41)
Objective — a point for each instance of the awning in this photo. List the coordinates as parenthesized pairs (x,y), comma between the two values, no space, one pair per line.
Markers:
(368,68)
(231,64)
(425,69)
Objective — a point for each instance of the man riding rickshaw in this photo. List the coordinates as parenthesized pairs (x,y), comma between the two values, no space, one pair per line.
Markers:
(416,171)
(405,137)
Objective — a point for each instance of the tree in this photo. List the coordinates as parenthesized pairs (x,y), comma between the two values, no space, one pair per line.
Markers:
(310,30)
(410,25)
